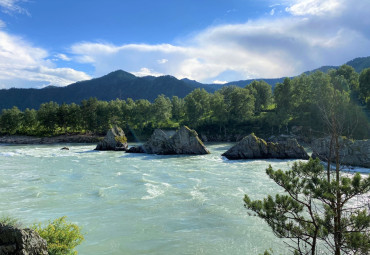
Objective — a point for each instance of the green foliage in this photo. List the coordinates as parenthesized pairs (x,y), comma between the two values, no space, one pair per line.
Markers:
(178,108)
(197,105)
(162,109)
(47,115)
(349,75)
(262,93)
(10,120)
(62,237)
(365,84)
(306,212)
(9,221)
(121,139)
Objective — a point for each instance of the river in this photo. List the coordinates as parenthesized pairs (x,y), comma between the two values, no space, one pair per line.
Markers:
(138,203)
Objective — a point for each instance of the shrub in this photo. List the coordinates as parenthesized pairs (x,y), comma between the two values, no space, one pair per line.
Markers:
(9,221)
(62,237)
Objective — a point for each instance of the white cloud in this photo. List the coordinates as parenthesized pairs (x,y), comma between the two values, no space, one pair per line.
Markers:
(219,82)
(162,61)
(315,7)
(146,72)
(314,33)
(9,6)
(24,65)
(63,57)
(272,12)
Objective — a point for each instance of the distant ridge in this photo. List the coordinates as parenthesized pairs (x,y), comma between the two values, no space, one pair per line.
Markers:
(117,84)
(358,64)
(122,85)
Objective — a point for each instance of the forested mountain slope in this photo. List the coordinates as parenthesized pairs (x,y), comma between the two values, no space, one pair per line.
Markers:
(118,84)
(122,85)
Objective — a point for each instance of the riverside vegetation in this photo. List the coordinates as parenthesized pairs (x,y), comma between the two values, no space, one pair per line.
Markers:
(321,211)
(223,115)
(61,236)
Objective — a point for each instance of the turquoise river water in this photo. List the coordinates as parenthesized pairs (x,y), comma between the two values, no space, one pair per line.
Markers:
(141,204)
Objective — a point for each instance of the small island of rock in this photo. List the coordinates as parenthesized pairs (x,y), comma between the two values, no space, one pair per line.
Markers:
(252,147)
(183,141)
(115,140)
(351,152)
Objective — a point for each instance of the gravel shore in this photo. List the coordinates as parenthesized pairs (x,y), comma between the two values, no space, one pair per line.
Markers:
(16,139)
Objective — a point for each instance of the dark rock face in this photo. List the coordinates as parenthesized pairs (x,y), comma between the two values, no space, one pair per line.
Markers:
(184,141)
(351,152)
(115,140)
(252,147)
(16,241)
(137,149)
(157,143)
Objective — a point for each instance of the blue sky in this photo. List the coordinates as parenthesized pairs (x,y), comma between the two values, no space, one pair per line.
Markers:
(58,42)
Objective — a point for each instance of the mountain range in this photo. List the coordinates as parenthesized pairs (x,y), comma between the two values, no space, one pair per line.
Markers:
(123,85)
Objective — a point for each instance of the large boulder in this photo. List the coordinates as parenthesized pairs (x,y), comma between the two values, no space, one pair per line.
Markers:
(252,147)
(158,143)
(16,241)
(115,140)
(351,152)
(184,141)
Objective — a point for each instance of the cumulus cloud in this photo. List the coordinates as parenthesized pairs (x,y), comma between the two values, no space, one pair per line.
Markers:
(311,34)
(24,65)
(146,72)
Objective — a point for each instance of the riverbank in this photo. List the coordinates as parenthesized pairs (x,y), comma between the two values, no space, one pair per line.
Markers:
(67,138)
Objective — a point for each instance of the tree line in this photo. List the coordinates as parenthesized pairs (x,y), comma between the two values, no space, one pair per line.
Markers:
(230,110)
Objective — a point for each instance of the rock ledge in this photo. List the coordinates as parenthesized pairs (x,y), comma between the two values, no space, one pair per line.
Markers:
(351,152)
(21,241)
(184,141)
(252,147)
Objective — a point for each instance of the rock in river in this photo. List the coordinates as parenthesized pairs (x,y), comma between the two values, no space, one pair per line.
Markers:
(115,140)
(21,241)
(252,147)
(351,152)
(183,141)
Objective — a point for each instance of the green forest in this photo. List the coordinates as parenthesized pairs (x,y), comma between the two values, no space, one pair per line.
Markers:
(295,104)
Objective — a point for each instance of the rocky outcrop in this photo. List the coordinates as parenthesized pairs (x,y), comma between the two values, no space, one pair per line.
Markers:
(136,149)
(16,241)
(115,140)
(184,141)
(252,147)
(351,152)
